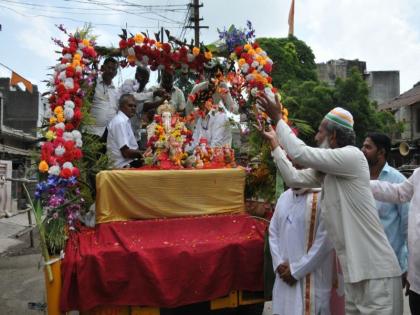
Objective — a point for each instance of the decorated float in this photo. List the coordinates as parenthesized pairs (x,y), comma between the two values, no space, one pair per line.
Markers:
(174,232)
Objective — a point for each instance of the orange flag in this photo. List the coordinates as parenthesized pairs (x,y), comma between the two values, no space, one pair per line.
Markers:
(16,78)
(292,18)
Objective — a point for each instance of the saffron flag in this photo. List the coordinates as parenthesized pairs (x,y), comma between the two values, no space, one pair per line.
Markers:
(16,78)
(292,18)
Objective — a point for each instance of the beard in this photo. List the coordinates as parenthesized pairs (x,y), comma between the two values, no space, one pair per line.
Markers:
(324,144)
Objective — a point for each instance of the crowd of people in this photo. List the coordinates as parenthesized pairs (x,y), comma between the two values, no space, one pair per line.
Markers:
(327,221)
(367,237)
(120,113)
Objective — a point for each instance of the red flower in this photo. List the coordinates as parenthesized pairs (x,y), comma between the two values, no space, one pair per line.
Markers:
(75,172)
(131,42)
(70,72)
(69,127)
(166,47)
(66,173)
(59,133)
(77,153)
(267,68)
(77,115)
(69,145)
(123,44)
(255,45)
(77,101)
(238,50)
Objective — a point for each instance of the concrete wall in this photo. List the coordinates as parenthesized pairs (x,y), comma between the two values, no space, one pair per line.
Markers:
(20,107)
(341,68)
(410,116)
(383,85)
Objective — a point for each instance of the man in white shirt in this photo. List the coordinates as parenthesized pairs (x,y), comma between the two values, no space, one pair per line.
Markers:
(143,96)
(409,190)
(122,146)
(302,255)
(177,98)
(105,100)
(215,127)
(371,271)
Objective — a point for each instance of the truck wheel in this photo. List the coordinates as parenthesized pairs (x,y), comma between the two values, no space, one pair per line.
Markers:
(251,309)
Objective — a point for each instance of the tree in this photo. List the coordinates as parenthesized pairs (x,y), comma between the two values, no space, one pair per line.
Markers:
(293,60)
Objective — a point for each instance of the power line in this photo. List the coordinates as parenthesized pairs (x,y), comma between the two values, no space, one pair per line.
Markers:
(81,21)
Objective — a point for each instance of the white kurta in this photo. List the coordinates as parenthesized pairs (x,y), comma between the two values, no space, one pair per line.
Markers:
(400,193)
(215,127)
(288,229)
(348,208)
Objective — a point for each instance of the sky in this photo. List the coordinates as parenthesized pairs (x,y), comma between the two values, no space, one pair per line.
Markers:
(384,33)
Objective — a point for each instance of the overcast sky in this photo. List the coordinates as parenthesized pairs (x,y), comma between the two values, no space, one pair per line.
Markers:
(384,33)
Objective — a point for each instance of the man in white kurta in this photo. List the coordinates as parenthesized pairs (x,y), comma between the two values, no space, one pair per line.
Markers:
(406,191)
(371,270)
(298,239)
(215,127)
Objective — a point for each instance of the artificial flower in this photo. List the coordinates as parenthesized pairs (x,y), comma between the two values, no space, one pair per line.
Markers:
(43,166)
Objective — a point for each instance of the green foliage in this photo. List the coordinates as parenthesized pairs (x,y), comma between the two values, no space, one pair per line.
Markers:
(293,60)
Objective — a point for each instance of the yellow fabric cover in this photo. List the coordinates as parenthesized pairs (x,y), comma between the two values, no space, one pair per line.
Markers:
(132,194)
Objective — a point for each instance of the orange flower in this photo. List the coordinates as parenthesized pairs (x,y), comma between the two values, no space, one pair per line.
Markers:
(53,120)
(86,42)
(60,118)
(196,51)
(241,62)
(208,55)
(139,38)
(58,110)
(43,166)
(247,47)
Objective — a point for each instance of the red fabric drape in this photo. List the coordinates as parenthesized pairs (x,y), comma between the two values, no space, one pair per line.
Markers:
(163,262)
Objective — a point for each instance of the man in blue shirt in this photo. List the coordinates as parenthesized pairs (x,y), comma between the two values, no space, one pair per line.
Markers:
(394,217)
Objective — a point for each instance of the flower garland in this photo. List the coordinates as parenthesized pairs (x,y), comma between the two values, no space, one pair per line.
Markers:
(62,150)
(142,50)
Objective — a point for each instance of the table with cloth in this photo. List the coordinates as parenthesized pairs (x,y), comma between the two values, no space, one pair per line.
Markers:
(194,242)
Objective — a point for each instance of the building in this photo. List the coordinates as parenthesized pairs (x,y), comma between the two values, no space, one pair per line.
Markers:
(18,138)
(383,85)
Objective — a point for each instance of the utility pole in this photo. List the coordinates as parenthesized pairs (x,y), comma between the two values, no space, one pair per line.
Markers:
(196,19)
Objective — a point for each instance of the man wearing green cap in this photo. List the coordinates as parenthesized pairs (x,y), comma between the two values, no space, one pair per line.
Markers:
(370,267)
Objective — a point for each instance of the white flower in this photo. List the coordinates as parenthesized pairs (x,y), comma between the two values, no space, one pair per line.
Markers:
(264,74)
(68,165)
(79,69)
(54,170)
(69,83)
(269,61)
(131,51)
(62,75)
(68,113)
(249,77)
(59,150)
(254,64)
(245,68)
(60,126)
(263,53)
(79,143)
(81,46)
(69,104)
(190,57)
(68,56)
(68,136)
(79,52)
(76,134)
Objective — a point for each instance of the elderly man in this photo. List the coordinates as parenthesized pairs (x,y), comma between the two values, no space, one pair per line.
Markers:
(143,96)
(302,255)
(394,217)
(122,147)
(370,267)
(400,193)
